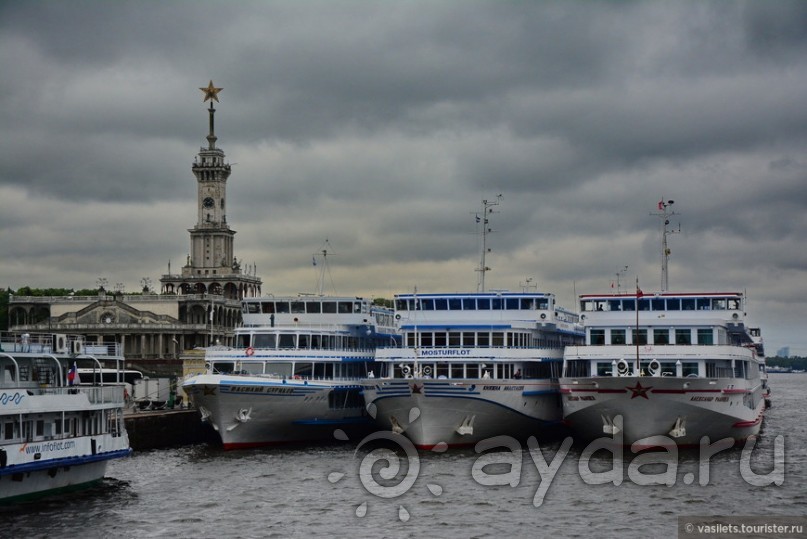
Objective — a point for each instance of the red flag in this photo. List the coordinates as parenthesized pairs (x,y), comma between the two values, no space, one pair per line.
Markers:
(639,292)
(661,204)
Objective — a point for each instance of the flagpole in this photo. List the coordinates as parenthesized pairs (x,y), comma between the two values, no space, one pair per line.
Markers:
(638,295)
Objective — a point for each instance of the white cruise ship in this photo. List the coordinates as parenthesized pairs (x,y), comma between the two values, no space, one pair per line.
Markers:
(664,369)
(294,373)
(472,366)
(57,434)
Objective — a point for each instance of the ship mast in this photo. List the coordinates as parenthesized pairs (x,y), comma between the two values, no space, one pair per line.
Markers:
(664,215)
(484,220)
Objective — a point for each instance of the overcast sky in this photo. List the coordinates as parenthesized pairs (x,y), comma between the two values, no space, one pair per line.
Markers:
(381,127)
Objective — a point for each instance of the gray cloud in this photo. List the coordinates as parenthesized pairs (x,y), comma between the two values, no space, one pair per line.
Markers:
(382,126)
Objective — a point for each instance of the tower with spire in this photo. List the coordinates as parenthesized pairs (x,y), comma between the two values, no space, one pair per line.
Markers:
(211,266)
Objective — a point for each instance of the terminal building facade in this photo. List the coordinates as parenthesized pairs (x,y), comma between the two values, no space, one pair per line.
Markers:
(196,307)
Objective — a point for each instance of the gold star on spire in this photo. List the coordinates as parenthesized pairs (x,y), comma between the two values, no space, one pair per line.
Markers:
(211,92)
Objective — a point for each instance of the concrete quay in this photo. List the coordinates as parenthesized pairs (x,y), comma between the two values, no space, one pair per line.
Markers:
(160,429)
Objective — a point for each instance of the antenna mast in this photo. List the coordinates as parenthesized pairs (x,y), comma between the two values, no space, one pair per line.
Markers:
(484,220)
(664,214)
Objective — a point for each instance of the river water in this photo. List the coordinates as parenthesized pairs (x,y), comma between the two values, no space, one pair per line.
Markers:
(341,491)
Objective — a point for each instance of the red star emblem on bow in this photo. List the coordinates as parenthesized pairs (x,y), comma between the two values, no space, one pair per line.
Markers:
(639,391)
(416,388)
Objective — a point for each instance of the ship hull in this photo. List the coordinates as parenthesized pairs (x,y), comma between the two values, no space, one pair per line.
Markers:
(254,412)
(460,413)
(662,411)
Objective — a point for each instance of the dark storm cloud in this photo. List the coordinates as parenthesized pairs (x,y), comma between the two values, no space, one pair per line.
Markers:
(382,126)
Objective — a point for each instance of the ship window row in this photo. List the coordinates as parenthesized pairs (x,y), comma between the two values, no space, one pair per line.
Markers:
(472,304)
(303,307)
(661,304)
(666,368)
(493,371)
(305,341)
(709,368)
(304,370)
(484,339)
(663,336)
(71,425)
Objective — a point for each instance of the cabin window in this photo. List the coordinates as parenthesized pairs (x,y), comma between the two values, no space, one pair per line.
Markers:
(442,370)
(323,370)
(440,339)
(578,368)
(344,307)
(252,367)
(441,304)
(483,339)
(252,308)
(496,304)
(734,304)
(661,336)
(483,304)
(242,341)
(597,336)
(303,370)
(527,304)
(427,304)
(604,368)
(454,339)
(329,307)
(673,304)
(639,336)
(618,336)
(468,339)
(304,341)
(316,342)
(658,304)
(455,304)
(262,340)
(629,305)
(223,367)
(705,336)
(498,338)
(268,307)
(457,370)
(683,336)
(472,370)
(286,341)
(719,304)
(469,304)
(542,304)
(704,304)
(644,304)
(313,307)
(8,430)
(279,369)
(282,307)
(615,305)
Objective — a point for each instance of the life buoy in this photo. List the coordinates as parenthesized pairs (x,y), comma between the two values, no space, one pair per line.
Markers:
(250,351)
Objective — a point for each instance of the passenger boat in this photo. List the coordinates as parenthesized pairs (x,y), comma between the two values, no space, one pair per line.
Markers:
(294,372)
(472,366)
(664,369)
(57,434)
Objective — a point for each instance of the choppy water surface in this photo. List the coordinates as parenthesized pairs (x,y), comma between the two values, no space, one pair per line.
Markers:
(201,491)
